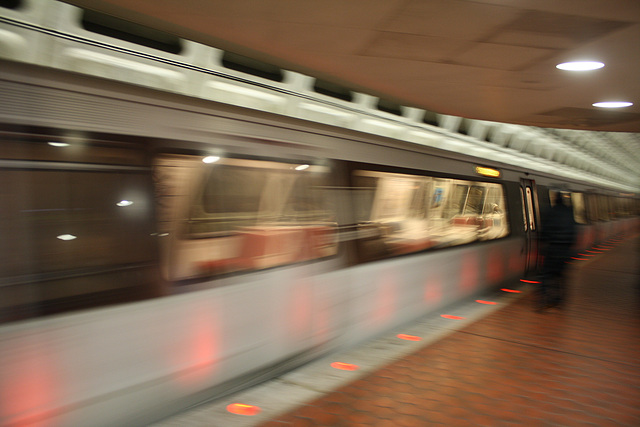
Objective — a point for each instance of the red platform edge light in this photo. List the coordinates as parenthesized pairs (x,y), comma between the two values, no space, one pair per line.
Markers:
(481,301)
(409,337)
(243,409)
(579,259)
(345,366)
(510,290)
(449,316)
(528,281)
(595,252)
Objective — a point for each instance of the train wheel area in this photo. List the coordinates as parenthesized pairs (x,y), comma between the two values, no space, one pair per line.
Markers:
(488,361)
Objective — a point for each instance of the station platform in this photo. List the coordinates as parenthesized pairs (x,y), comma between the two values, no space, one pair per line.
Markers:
(488,362)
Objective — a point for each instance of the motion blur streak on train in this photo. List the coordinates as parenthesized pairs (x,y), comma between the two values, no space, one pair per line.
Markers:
(246,266)
(160,249)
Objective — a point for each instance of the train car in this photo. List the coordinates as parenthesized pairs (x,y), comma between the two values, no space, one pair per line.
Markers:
(159,249)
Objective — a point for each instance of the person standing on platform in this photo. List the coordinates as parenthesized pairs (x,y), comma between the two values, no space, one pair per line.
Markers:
(558,233)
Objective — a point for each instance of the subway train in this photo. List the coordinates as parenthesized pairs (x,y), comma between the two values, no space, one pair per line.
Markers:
(160,248)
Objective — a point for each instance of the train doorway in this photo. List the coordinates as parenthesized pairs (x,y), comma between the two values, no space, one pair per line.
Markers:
(531,215)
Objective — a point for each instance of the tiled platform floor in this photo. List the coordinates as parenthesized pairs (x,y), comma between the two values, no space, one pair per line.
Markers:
(576,367)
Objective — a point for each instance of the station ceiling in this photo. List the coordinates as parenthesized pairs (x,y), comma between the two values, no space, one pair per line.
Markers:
(482,59)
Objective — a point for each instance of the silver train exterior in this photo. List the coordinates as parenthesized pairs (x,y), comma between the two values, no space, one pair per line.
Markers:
(128,363)
(128,293)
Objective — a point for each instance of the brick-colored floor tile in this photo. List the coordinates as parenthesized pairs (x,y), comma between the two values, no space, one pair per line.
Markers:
(577,367)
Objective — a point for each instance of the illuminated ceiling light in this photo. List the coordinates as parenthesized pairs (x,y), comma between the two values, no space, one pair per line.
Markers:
(486,302)
(211,159)
(510,290)
(123,203)
(66,237)
(529,281)
(409,337)
(579,259)
(449,316)
(243,409)
(302,167)
(612,104)
(58,144)
(580,65)
(345,366)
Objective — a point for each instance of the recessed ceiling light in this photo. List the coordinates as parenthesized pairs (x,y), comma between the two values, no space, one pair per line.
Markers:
(580,65)
(612,104)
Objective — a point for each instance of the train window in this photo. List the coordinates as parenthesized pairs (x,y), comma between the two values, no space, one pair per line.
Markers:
(230,199)
(474,201)
(532,221)
(409,213)
(117,28)
(579,212)
(419,204)
(458,200)
(592,205)
(74,235)
(55,149)
(624,207)
(238,214)
(252,66)
(573,200)
(603,207)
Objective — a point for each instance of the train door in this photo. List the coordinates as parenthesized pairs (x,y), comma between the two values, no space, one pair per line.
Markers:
(530,213)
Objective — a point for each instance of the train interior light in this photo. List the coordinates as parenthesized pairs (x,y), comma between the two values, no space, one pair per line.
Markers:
(66,237)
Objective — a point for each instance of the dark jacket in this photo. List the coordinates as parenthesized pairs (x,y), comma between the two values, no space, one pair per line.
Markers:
(558,226)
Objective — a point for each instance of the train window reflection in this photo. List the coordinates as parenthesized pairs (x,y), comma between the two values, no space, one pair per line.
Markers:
(67,243)
(575,201)
(475,198)
(579,213)
(603,207)
(401,213)
(532,221)
(524,210)
(239,214)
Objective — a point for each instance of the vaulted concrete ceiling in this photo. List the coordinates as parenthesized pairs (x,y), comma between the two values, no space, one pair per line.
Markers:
(484,59)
